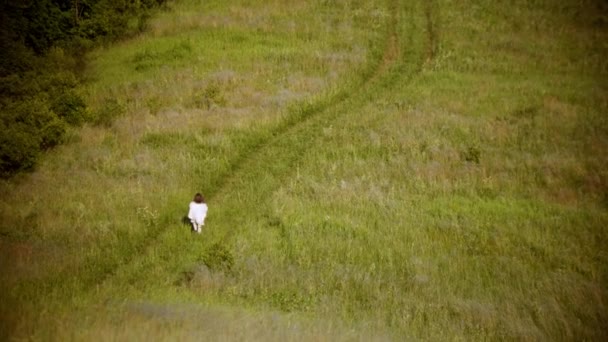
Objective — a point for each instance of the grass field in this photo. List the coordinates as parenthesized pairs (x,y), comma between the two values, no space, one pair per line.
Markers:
(375,170)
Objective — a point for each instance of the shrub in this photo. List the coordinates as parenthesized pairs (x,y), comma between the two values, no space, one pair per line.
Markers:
(42,46)
(19,149)
(52,134)
(109,110)
(144,60)
(211,95)
(218,257)
(471,155)
(70,107)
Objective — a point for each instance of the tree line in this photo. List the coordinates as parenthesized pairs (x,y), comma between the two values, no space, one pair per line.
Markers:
(42,48)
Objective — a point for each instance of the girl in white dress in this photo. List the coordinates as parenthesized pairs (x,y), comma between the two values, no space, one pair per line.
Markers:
(197,213)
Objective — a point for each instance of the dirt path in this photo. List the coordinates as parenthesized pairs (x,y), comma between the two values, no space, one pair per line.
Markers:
(272,159)
(254,154)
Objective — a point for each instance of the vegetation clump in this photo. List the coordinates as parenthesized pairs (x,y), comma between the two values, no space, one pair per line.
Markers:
(218,257)
(42,55)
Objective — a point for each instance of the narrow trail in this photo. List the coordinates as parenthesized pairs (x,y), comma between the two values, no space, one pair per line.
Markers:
(251,154)
(272,159)
(107,269)
(401,60)
(286,142)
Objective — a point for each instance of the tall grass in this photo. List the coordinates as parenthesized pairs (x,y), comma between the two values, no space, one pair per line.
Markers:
(415,170)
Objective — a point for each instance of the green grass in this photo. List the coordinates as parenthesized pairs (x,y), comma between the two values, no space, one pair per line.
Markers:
(374,170)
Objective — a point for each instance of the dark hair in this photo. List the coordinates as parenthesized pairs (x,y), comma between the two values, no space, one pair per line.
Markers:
(198,198)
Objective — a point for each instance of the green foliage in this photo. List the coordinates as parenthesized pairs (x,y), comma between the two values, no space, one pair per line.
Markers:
(218,257)
(143,60)
(37,107)
(53,133)
(19,148)
(42,44)
(147,59)
(290,300)
(109,110)
(70,107)
(471,154)
(166,140)
(28,127)
(210,95)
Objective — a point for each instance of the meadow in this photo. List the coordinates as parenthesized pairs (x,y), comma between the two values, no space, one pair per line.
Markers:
(375,170)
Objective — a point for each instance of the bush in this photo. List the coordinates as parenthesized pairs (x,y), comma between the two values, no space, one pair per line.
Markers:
(210,96)
(109,110)
(472,155)
(70,107)
(42,47)
(19,149)
(53,134)
(218,257)
(28,126)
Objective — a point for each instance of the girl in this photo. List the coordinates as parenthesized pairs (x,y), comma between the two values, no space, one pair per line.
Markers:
(197,213)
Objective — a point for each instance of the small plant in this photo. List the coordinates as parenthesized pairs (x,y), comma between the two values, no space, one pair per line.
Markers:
(27,128)
(211,95)
(19,149)
(70,107)
(53,134)
(147,215)
(218,257)
(526,113)
(289,300)
(144,60)
(154,104)
(471,155)
(160,140)
(110,110)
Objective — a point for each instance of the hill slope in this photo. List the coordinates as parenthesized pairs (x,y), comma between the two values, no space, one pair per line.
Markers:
(408,169)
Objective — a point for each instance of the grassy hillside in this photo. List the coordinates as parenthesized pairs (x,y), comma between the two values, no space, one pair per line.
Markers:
(374,170)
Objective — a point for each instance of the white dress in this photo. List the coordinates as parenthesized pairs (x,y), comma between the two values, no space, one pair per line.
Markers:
(197,215)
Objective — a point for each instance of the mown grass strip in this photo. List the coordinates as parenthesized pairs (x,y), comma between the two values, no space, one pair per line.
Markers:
(256,178)
(108,259)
